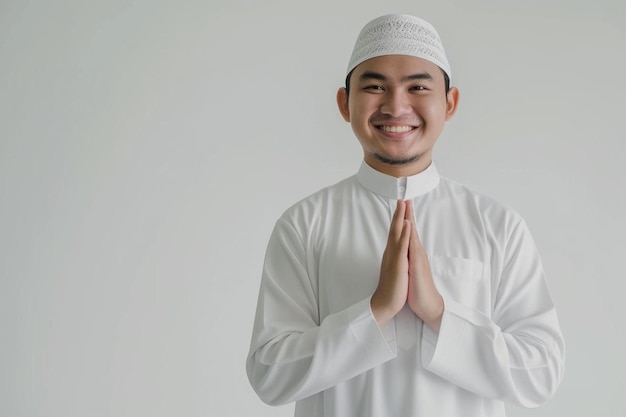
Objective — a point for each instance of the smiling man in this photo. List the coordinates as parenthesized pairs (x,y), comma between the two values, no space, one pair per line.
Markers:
(397,109)
(398,292)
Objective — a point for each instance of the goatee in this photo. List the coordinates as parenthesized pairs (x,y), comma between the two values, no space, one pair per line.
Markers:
(397,161)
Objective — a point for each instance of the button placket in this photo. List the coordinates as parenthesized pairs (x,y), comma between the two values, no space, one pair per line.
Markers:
(401,184)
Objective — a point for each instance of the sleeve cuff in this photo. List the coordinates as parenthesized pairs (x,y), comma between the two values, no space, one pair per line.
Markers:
(379,343)
(439,350)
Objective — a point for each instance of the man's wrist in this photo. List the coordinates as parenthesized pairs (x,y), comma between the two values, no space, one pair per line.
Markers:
(381,314)
(434,320)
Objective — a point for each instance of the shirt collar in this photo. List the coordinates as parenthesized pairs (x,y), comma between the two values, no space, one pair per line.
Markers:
(398,188)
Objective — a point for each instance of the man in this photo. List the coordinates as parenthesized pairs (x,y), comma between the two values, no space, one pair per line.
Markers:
(398,292)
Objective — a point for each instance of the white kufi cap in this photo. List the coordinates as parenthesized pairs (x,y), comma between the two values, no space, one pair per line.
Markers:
(397,34)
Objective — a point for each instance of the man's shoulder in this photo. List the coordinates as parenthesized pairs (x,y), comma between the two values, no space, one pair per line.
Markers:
(486,205)
(321,199)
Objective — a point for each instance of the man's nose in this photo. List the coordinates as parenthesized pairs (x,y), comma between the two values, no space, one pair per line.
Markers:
(396,104)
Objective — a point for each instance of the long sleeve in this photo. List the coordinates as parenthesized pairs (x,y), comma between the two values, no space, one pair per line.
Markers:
(292,354)
(516,354)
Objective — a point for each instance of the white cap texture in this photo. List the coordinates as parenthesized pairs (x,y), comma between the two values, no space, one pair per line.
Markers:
(397,34)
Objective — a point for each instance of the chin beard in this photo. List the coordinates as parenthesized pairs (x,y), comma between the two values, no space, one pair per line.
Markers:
(397,161)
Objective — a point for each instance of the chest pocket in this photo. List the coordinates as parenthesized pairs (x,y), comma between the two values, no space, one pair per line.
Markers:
(463,280)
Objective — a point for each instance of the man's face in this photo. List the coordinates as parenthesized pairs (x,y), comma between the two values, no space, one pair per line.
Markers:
(397,107)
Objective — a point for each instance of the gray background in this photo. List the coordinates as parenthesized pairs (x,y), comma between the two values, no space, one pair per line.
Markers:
(147,148)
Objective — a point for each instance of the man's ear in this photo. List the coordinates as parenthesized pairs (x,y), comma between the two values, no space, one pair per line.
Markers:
(342,103)
(452,102)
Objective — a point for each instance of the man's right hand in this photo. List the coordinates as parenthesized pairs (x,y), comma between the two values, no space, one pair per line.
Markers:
(391,293)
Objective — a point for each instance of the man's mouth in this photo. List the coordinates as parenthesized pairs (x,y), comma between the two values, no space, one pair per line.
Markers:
(396,129)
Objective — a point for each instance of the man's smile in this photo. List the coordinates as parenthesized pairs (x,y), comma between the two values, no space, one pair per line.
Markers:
(395,129)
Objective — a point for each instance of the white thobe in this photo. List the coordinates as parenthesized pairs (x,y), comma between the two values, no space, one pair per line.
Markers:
(316,342)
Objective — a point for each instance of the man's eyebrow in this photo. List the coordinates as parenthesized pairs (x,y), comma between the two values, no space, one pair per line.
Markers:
(371,75)
(419,76)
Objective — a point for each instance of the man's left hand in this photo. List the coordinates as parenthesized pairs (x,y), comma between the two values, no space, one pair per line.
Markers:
(423,297)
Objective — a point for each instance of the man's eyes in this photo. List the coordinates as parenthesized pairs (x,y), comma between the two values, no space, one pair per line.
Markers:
(376,87)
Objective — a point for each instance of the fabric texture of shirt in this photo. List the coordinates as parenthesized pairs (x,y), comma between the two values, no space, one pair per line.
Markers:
(315,340)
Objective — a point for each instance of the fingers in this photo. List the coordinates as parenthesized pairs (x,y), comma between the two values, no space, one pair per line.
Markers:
(404,220)
(397,222)
(415,242)
(391,293)
(405,237)
(409,210)
(423,297)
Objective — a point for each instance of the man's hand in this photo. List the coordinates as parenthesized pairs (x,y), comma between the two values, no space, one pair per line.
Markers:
(423,297)
(393,284)
(405,274)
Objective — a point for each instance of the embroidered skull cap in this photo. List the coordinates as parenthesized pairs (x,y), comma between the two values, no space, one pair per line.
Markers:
(398,34)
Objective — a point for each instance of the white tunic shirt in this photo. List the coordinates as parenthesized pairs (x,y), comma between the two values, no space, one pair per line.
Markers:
(316,342)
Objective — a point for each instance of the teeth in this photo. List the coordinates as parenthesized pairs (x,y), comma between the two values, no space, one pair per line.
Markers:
(396,129)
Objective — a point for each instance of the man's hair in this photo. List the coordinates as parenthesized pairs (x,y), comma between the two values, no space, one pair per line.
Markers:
(445,78)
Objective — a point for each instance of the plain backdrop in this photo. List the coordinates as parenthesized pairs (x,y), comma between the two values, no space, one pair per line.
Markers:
(148,147)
